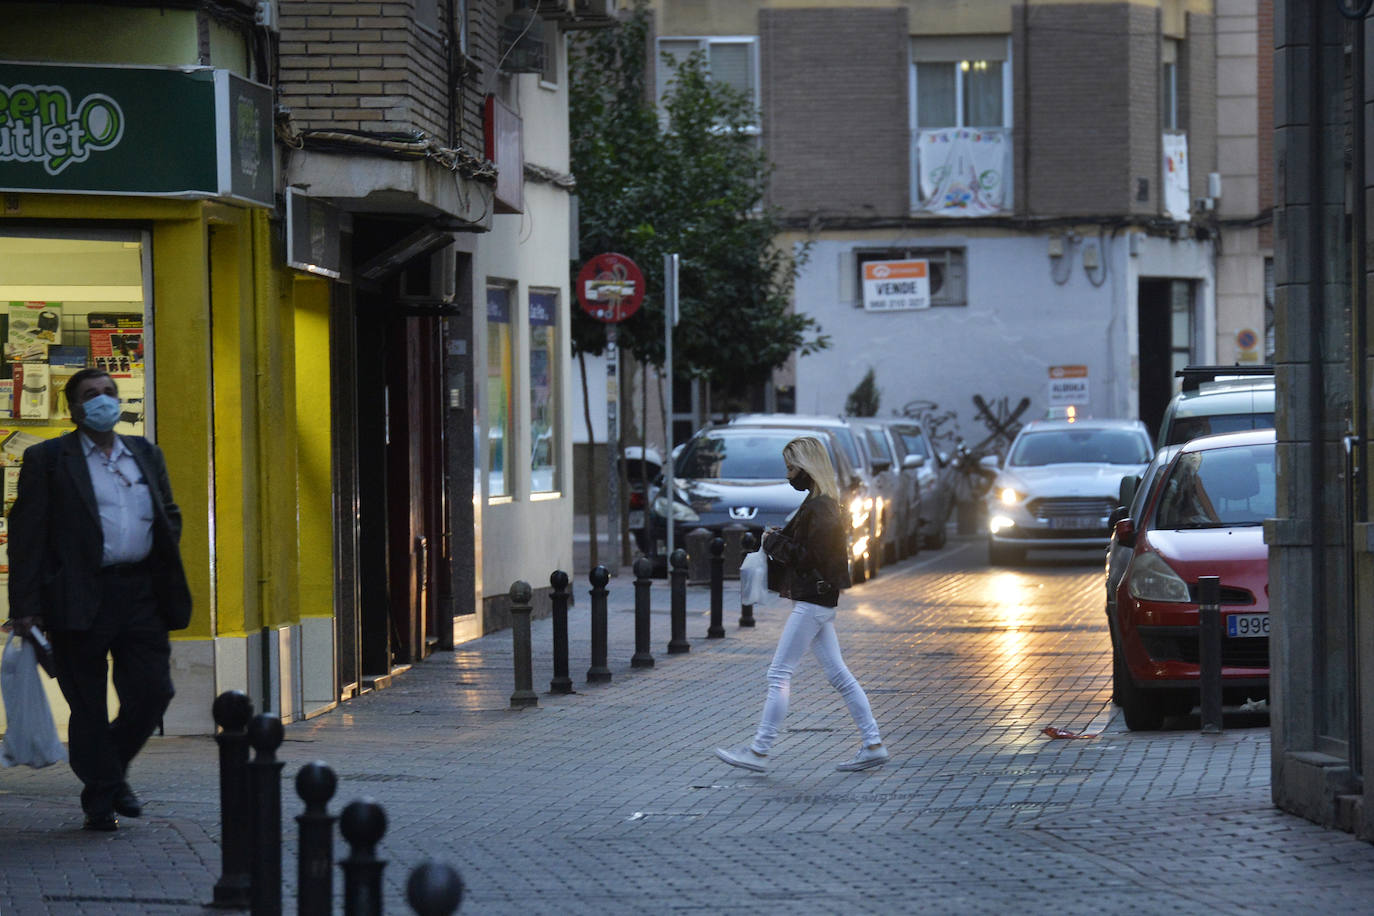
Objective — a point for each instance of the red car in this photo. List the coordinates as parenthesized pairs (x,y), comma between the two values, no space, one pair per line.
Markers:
(1204,518)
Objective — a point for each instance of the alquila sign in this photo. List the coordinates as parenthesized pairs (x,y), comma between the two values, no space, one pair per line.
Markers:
(193,132)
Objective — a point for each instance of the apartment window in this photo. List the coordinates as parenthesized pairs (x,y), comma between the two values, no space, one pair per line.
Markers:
(945,268)
(553,47)
(545,396)
(1168,85)
(960,81)
(731,60)
(500,390)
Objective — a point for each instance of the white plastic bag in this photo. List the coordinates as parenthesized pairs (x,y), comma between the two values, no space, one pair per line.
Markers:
(30,734)
(753,578)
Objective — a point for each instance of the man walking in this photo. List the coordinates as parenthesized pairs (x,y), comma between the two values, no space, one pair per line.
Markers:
(93,557)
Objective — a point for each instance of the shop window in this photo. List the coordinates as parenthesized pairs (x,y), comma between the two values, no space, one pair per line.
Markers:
(545,396)
(500,390)
(68,301)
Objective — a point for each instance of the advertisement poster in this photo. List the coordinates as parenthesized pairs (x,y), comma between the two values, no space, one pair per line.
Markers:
(33,327)
(116,340)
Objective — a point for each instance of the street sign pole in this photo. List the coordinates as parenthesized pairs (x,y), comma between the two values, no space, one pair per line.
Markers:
(612,442)
(670,264)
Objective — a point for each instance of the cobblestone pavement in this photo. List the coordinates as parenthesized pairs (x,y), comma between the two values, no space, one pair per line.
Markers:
(610,801)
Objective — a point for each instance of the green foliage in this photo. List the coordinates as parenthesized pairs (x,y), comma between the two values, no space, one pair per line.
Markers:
(692,183)
(863,400)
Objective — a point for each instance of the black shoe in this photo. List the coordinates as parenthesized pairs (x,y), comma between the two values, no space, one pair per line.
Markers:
(127,803)
(103,822)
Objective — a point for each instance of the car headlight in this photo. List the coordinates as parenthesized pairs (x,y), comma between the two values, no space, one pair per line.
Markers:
(1009,496)
(680,511)
(858,511)
(1154,580)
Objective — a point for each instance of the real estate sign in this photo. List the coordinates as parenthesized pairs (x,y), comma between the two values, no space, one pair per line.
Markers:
(194,132)
(891,286)
(1069,386)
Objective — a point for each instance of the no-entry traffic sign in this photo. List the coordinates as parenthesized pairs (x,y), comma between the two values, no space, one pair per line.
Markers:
(610,287)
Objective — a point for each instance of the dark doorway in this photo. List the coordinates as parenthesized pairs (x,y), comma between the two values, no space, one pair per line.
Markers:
(1154,311)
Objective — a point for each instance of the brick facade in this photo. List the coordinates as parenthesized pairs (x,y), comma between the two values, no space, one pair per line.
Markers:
(1198,84)
(836,120)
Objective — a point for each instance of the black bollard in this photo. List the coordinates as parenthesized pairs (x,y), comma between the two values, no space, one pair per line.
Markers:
(598,673)
(265,734)
(1209,652)
(644,570)
(561,683)
(716,629)
(315,784)
(434,889)
(232,710)
(362,824)
(520,595)
(677,642)
(749,544)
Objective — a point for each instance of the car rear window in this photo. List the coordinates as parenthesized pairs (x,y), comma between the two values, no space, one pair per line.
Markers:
(877,444)
(1186,428)
(1080,446)
(912,440)
(1219,488)
(757,456)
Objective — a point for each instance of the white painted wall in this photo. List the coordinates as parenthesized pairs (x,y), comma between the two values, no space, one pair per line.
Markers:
(1018,323)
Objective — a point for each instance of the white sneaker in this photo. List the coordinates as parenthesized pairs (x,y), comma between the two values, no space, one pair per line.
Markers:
(865,758)
(744,757)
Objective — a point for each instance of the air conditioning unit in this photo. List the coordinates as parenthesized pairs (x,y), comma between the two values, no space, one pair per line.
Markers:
(593,14)
(522,43)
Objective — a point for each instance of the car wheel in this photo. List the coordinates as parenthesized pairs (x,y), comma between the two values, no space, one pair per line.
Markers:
(1143,712)
(1002,555)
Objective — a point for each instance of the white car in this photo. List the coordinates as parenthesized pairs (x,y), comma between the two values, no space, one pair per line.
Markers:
(1060,483)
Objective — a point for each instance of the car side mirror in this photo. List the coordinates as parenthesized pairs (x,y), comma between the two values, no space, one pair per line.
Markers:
(1117,515)
(943,457)
(991,462)
(1129,484)
(1125,532)
(880,465)
(911,462)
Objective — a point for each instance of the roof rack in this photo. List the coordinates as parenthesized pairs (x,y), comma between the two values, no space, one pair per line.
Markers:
(1193,376)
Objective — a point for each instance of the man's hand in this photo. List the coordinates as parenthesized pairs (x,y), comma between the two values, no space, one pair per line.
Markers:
(21,625)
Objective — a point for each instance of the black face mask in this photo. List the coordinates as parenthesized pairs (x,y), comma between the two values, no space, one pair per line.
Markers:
(800,481)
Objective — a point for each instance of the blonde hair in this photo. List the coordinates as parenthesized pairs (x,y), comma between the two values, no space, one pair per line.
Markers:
(810,455)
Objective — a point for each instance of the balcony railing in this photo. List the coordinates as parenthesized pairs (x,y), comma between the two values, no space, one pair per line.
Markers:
(962,171)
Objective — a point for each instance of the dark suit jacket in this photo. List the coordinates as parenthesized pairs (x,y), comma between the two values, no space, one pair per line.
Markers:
(55,541)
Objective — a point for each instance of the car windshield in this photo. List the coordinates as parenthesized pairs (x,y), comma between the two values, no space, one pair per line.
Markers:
(851,448)
(1186,428)
(755,456)
(1219,488)
(912,441)
(1079,446)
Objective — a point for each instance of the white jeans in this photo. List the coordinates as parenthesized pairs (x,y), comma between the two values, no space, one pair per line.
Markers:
(814,626)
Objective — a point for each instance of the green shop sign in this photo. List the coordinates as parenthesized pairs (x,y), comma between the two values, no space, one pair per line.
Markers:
(135,130)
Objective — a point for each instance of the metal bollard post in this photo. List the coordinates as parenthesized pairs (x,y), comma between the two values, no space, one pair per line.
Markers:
(561,683)
(1209,652)
(520,595)
(749,544)
(644,570)
(315,784)
(232,710)
(716,629)
(434,889)
(362,824)
(677,642)
(598,673)
(265,734)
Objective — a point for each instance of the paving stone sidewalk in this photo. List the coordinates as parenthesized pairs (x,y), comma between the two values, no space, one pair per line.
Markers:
(609,800)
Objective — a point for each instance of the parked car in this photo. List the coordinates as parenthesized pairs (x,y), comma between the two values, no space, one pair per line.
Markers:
(1135,493)
(934,474)
(899,487)
(642,466)
(735,475)
(1060,484)
(870,504)
(1218,399)
(1204,517)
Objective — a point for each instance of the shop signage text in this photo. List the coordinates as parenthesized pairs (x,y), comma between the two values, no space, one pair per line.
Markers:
(42,124)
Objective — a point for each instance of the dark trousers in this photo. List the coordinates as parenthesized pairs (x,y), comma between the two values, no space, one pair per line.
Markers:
(129,629)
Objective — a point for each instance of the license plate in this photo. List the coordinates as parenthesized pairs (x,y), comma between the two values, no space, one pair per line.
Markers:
(1243,625)
(636,518)
(1076,524)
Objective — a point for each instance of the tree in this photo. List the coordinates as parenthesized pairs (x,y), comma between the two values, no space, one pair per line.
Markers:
(863,400)
(693,182)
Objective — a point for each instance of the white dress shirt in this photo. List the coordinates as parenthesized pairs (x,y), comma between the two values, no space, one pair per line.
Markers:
(124,501)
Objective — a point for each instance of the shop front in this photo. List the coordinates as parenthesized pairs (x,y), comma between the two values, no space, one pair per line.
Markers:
(136,236)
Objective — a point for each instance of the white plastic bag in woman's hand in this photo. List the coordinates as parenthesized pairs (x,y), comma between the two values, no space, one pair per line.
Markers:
(30,735)
(753,578)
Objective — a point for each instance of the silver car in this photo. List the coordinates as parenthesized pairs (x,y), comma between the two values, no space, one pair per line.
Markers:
(934,475)
(899,487)
(1060,484)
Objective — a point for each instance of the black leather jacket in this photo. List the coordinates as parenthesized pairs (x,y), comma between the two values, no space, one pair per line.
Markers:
(811,553)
